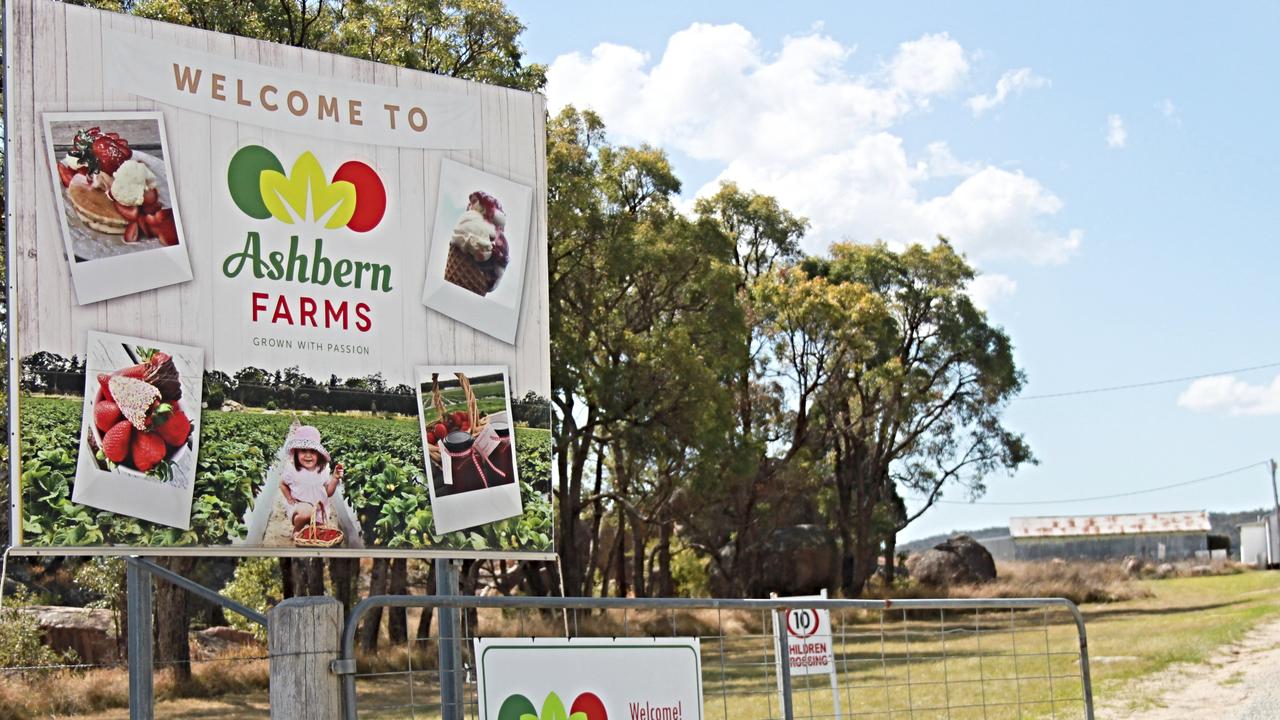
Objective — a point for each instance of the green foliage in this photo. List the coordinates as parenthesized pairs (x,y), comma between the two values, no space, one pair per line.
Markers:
(22,640)
(104,578)
(471,39)
(256,584)
(646,326)
(689,573)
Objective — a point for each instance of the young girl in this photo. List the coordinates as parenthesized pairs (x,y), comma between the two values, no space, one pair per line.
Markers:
(307,483)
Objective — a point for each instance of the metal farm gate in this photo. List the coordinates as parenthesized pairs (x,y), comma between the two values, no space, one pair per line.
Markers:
(894,660)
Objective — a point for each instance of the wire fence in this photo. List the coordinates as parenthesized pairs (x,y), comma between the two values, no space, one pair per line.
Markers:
(905,660)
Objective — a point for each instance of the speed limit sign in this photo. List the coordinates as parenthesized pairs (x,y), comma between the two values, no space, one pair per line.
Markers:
(809,642)
(809,650)
(804,624)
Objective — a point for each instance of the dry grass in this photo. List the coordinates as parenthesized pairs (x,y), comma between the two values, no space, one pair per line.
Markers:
(1079,582)
(57,693)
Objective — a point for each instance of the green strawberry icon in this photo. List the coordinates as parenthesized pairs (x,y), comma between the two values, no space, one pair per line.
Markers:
(517,707)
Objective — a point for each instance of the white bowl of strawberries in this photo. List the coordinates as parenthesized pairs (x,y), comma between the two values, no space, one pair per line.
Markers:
(139,424)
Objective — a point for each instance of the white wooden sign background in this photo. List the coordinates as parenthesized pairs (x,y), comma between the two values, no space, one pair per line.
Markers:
(45,38)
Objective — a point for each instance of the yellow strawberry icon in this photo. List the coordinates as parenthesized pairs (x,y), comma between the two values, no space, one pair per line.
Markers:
(286,197)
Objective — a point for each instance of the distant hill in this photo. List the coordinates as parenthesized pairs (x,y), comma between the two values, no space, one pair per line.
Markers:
(926,543)
(1221,524)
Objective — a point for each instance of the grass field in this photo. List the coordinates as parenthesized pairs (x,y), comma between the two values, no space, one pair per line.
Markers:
(918,669)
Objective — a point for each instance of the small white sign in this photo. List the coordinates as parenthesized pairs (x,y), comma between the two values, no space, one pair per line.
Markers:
(603,679)
(809,642)
(809,646)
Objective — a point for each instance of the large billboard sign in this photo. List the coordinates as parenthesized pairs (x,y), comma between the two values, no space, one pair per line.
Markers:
(269,300)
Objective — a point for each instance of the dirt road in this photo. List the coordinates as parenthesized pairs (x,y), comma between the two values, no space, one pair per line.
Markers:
(1240,682)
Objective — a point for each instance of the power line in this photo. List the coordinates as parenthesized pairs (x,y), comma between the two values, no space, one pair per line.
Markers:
(1131,493)
(1152,383)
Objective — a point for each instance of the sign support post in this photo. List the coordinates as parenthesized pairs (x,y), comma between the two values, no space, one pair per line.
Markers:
(141,672)
(451,680)
(784,660)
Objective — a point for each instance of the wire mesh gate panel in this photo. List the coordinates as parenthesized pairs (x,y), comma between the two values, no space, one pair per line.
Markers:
(894,660)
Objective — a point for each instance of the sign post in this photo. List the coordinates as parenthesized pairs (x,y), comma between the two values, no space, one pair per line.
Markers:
(809,647)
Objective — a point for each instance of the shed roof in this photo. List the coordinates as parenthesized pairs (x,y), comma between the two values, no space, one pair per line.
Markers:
(1196,521)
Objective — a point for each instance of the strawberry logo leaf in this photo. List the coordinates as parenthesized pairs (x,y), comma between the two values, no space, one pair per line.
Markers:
(517,707)
(553,709)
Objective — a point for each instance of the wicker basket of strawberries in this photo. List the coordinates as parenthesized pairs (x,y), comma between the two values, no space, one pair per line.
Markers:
(469,421)
(320,535)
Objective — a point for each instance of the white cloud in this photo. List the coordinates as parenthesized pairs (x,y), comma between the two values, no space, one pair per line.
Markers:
(1117,136)
(988,289)
(1169,111)
(1232,396)
(940,162)
(932,65)
(1013,82)
(803,125)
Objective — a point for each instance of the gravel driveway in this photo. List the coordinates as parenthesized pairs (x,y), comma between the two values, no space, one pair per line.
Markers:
(1241,682)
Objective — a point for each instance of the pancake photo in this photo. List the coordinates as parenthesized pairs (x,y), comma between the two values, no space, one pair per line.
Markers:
(115,191)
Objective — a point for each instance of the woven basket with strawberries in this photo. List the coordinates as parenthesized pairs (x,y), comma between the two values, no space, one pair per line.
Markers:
(468,421)
(322,535)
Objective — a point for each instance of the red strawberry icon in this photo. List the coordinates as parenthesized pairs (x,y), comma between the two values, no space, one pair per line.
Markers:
(590,705)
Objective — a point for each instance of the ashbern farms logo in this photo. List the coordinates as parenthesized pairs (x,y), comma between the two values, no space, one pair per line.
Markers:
(585,707)
(354,199)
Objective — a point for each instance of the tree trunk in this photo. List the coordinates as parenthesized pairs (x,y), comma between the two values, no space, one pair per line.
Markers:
(597,516)
(424,621)
(890,558)
(620,555)
(637,560)
(172,620)
(666,584)
(372,627)
(398,618)
(286,578)
(535,580)
(344,574)
(315,577)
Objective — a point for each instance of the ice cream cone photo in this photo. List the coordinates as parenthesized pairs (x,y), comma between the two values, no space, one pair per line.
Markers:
(479,248)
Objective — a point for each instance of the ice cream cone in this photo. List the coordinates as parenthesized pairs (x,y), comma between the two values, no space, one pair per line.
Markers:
(466,273)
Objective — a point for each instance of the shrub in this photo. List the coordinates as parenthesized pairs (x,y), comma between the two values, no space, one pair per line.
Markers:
(22,640)
(258,585)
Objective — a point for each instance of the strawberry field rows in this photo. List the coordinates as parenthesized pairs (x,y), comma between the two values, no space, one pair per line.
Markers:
(383,482)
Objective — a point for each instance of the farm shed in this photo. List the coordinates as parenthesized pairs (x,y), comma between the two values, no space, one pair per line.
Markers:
(1259,540)
(1155,536)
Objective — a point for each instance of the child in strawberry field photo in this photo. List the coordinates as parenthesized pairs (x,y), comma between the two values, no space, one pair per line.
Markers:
(306,481)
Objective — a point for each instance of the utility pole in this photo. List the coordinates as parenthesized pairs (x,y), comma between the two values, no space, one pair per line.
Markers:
(1274,529)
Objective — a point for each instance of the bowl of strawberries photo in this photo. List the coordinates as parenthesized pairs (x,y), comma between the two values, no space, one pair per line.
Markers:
(140,426)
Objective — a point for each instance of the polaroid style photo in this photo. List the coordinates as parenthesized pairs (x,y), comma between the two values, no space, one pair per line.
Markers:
(140,434)
(479,249)
(469,446)
(117,205)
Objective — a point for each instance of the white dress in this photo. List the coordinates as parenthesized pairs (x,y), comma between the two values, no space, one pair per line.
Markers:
(306,487)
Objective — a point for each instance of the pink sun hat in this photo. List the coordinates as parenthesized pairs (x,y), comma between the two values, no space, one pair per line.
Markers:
(306,437)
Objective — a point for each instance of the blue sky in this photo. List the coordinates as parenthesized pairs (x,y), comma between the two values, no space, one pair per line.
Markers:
(1119,196)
